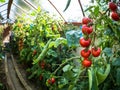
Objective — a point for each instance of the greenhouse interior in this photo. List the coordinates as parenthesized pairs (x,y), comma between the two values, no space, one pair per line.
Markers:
(59,44)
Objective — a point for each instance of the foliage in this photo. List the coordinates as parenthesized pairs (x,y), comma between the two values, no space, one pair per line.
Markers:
(46,35)
(2,1)
(55,44)
(108,38)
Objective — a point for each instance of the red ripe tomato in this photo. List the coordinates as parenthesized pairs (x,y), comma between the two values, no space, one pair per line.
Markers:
(86,20)
(115,16)
(34,52)
(112,6)
(84,42)
(53,80)
(90,30)
(86,63)
(42,64)
(96,52)
(85,53)
(49,81)
(41,77)
(86,29)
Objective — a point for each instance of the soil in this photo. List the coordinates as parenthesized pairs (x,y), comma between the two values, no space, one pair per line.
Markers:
(22,68)
(3,80)
(3,84)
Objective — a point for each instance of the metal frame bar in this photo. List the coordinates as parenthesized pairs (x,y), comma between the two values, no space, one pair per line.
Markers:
(3,10)
(6,19)
(57,10)
(30,4)
(3,4)
(4,14)
(19,7)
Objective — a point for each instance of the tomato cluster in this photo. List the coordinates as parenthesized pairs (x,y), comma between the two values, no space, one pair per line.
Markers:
(51,80)
(86,41)
(114,14)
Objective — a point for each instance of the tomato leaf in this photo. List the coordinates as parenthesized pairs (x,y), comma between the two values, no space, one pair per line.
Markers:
(68,3)
(92,79)
(108,51)
(116,61)
(118,76)
(89,8)
(2,1)
(96,10)
(66,68)
(73,37)
(102,76)
(52,53)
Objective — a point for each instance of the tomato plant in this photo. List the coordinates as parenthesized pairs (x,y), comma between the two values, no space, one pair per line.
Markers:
(56,45)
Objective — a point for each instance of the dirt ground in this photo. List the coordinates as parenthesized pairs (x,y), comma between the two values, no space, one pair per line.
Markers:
(3,84)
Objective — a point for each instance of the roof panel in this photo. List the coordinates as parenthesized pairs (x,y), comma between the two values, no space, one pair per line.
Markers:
(3,7)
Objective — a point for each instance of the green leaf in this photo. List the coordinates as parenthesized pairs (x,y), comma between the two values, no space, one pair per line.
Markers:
(57,42)
(73,37)
(66,68)
(52,53)
(62,82)
(89,8)
(51,44)
(70,87)
(60,41)
(68,3)
(92,79)
(102,76)
(2,1)
(118,76)
(116,61)
(108,51)
(96,10)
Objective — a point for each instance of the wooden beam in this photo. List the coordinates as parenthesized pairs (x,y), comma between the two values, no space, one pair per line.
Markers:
(9,8)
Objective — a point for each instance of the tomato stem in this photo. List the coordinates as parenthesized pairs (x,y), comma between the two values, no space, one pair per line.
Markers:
(66,61)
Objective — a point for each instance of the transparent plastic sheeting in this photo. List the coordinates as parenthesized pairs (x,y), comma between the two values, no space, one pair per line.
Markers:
(19,7)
